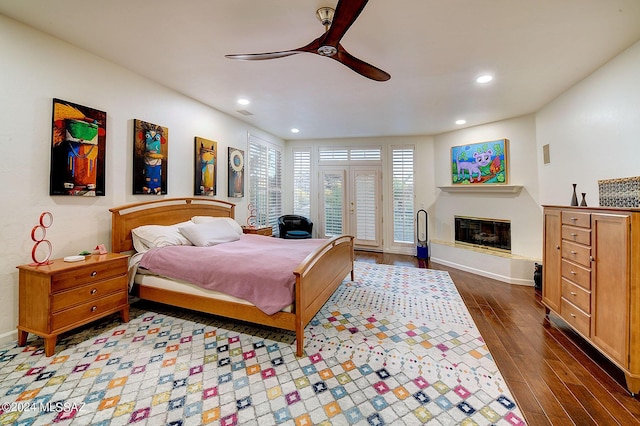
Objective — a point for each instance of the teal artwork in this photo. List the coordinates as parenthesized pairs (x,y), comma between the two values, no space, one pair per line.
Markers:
(480,163)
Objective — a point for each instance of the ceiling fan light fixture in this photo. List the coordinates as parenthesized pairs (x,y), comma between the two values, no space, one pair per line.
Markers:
(325,15)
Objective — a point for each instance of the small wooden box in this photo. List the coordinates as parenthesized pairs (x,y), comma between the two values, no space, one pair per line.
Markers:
(258,230)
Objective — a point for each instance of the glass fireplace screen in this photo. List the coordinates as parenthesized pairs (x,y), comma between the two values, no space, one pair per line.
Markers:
(493,234)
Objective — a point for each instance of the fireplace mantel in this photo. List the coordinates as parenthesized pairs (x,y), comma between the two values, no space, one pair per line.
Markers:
(505,189)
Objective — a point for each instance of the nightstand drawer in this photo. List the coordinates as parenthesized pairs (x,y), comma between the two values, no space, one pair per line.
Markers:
(575,218)
(576,295)
(576,253)
(576,235)
(85,274)
(85,312)
(87,293)
(576,318)
(577,274)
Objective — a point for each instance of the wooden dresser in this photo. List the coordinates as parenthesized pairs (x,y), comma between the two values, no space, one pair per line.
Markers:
(591,270)
(63,295)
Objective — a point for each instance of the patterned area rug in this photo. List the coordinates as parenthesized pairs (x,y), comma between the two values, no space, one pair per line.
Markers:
(396,346)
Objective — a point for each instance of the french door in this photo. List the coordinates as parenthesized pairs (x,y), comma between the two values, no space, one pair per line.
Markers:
(350,203)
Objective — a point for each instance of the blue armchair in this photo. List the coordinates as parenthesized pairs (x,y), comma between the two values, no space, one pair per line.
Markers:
(294,227)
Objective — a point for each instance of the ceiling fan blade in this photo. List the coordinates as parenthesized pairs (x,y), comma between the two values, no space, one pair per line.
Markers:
(347,11)
(261,56)
(359,66)
(311,48)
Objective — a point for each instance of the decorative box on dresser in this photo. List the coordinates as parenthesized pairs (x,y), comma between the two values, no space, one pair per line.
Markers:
(592,279)
(61,296)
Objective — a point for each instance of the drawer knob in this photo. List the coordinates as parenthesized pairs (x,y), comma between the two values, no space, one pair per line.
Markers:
(573,315)
(573,293)
(94,290)
(573,234)
(573,272)
(93,308)
(574,218)
(591,258)
(573,252)
(94,273)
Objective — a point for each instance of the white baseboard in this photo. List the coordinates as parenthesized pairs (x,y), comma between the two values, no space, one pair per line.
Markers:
(506,268)
(9,336)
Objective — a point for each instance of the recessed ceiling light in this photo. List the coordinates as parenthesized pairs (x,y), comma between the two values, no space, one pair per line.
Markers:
(460,122)
(243,101)
(485,78)
(294,130)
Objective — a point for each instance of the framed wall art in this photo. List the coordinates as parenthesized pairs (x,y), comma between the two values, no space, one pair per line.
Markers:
(482,163)
(236,173)
(150,153)
(78,142)
(206,165)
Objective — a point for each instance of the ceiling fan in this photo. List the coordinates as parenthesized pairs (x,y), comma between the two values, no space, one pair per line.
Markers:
(328,44)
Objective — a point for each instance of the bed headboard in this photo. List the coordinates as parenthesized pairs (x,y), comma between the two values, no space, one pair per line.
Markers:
(167,211)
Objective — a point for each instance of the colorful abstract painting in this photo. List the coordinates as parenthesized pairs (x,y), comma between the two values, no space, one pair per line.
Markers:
(78,140)
(150,153)
(480,163)
(236,173)
(206,166)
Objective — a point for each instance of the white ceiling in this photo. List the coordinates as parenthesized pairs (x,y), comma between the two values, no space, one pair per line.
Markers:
(433,49)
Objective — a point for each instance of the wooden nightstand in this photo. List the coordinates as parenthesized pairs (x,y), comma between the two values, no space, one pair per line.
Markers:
(63,295)
(259,230)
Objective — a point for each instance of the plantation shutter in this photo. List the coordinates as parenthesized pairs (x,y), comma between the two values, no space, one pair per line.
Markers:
(403,190)
(365,201)
(333,195)
(302,182)
(265,181)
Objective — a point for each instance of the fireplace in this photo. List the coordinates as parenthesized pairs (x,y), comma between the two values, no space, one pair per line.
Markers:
(492,234)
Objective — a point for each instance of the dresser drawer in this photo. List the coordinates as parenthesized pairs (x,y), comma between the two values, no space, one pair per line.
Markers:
(89,273)
(576,235)
(575,317)
(577,274)
(85,312)
(575,218)
(576,253)
(576,295)
(87,293)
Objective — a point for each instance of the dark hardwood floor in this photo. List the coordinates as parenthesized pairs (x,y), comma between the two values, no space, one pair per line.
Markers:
(555,376)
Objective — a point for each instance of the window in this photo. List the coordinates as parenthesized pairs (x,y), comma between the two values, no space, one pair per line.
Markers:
(350,154)
(403,223)
(302,182)
(265,181)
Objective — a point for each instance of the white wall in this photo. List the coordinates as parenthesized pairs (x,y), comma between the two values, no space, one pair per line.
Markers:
(522,209)
(35,69)
(593,131)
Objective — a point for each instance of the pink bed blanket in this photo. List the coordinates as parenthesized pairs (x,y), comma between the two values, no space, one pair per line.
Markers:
(254,268)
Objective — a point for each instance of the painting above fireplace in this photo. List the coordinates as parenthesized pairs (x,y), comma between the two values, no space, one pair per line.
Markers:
(492,234)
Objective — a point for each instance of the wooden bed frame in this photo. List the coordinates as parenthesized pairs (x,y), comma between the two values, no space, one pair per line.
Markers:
(317,277)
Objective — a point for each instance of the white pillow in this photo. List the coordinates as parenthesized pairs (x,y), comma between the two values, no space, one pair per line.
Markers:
(206,219)
(149,236)
(210,233)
